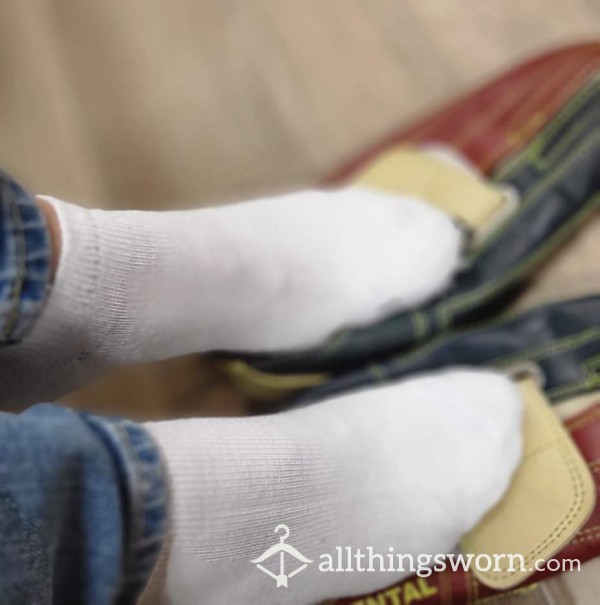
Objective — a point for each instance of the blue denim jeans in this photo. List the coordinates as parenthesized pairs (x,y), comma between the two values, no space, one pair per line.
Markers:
(83,499)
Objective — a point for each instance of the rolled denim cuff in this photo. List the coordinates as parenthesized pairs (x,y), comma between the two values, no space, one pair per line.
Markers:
(83,508)
(24,261)
(145,497)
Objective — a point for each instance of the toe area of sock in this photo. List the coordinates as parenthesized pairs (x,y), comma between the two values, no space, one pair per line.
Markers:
(415,252)
(434,248)
(493,422)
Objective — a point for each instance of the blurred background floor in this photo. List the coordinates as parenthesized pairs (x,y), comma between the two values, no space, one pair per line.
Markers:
(148,104)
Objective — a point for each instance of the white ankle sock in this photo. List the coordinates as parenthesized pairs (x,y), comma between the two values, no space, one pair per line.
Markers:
(411,466)
(273,274)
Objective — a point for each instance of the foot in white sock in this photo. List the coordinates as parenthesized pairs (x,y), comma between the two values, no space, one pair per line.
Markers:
(268,275)
(411,466)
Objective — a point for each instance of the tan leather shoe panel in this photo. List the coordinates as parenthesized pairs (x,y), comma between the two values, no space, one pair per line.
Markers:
(551,497)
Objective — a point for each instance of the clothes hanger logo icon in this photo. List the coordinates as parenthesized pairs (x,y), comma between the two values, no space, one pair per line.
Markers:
(282,549)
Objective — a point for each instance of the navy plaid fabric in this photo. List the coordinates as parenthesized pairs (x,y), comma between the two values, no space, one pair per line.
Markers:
(24,261)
